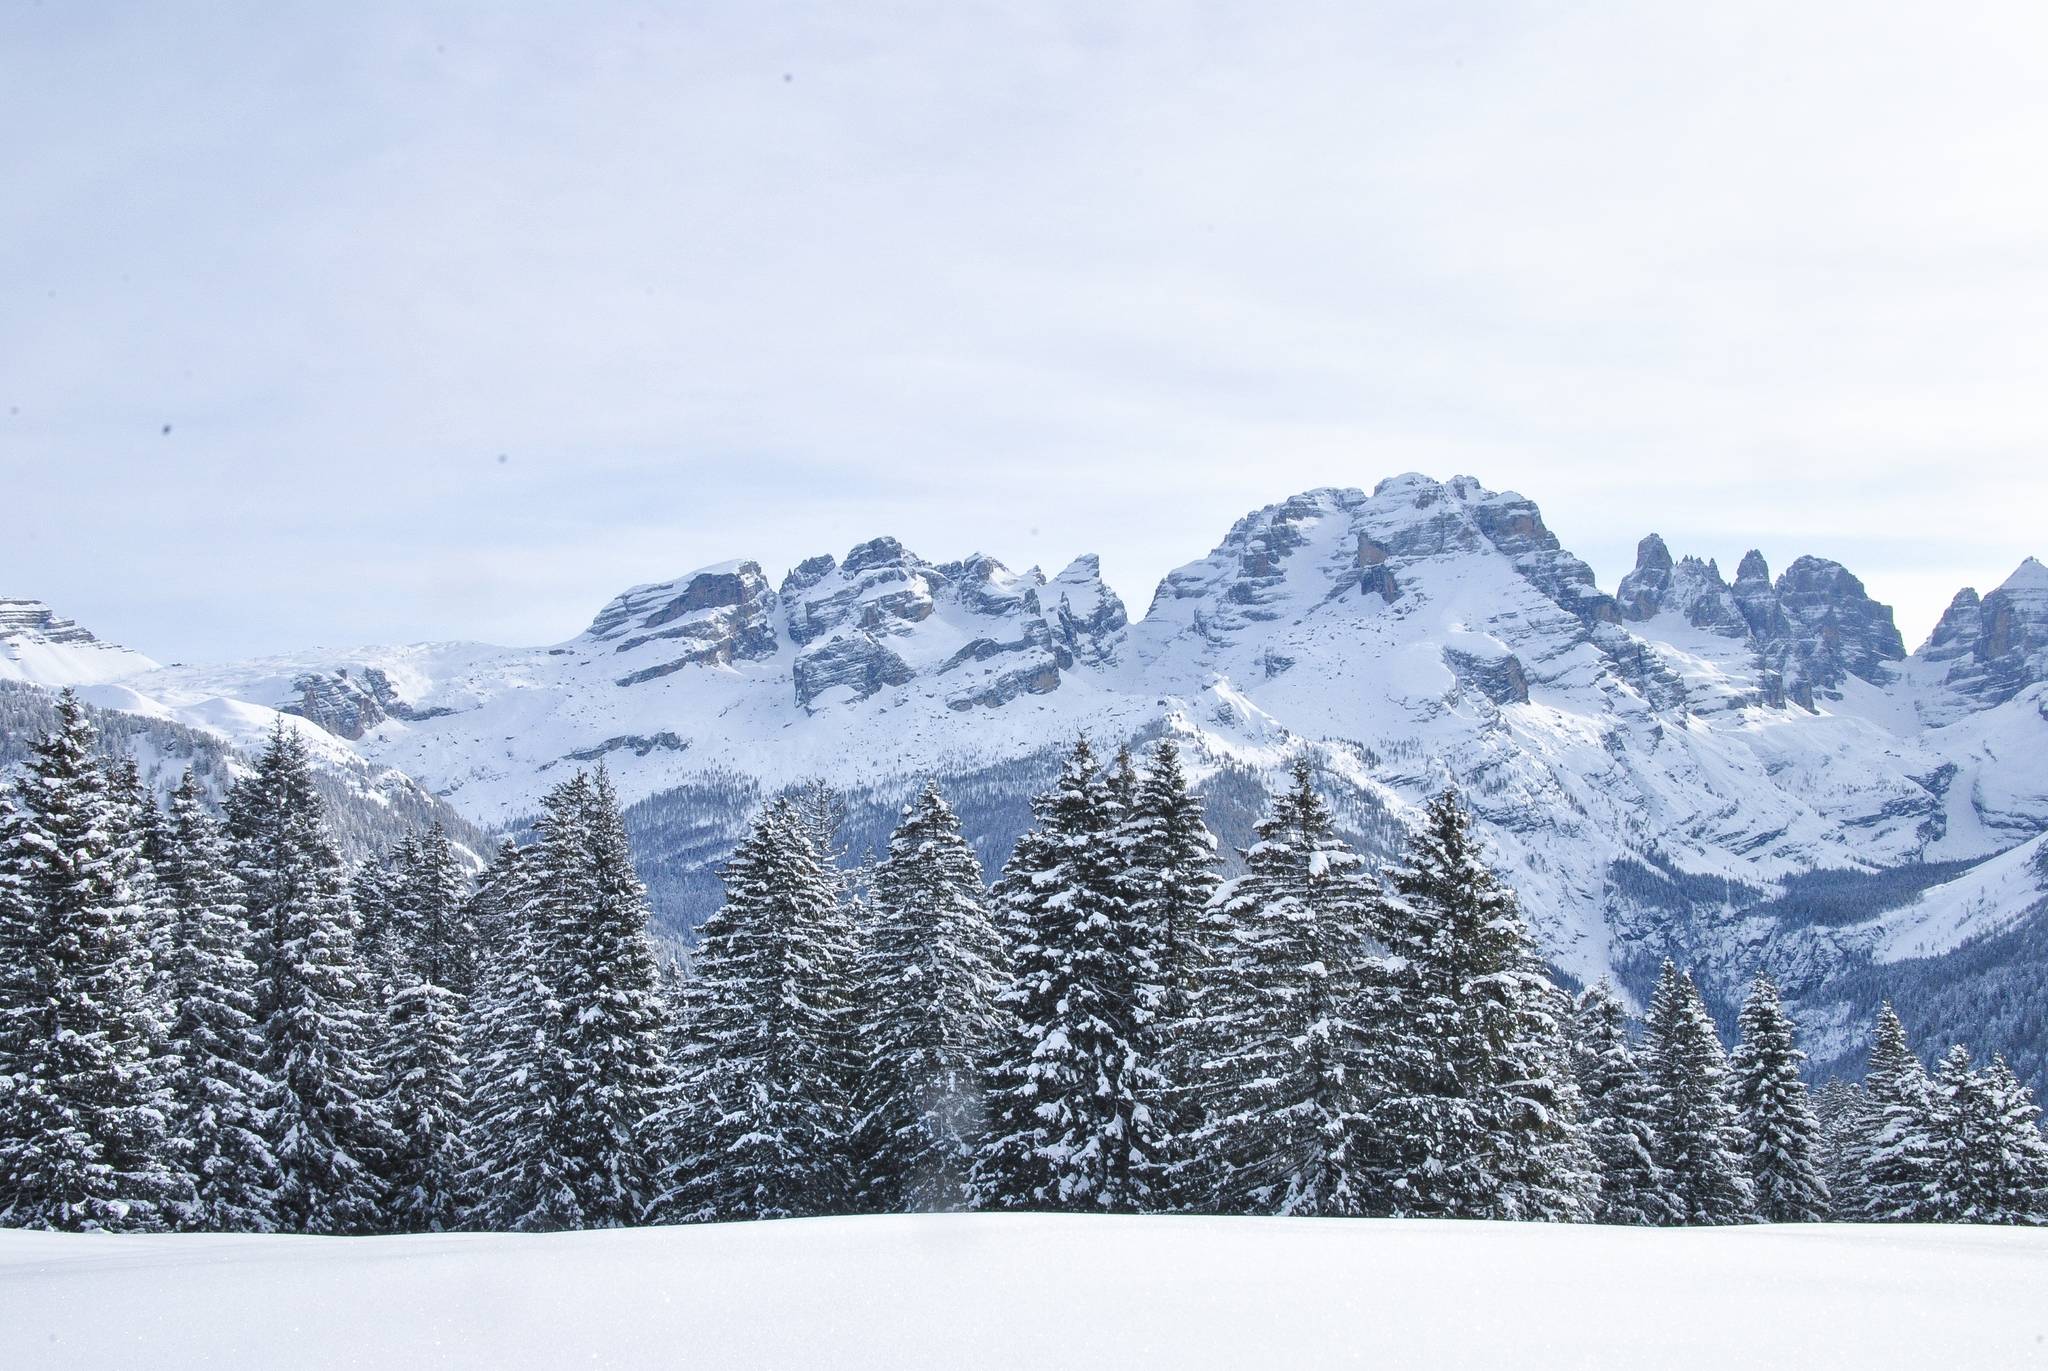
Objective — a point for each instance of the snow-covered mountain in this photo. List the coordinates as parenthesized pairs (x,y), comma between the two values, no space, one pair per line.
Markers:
(1680,767)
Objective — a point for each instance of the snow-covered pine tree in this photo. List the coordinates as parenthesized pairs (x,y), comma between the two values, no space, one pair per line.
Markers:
(1497,1108)
(1896,1149)
(599,965)
(1070,1128)
(313,1003)
(759,1124)
(218,1091)
(1843,1110)
(436,930)
(1619,1113)
(83,1114)
(429,968)
(428,1161)
(512,1052)
(1699,1139)
(1780,1131)
(1958,1117)
(2016,1169)
(377,894)
(1273,1037)
(930,968)
(1170,876)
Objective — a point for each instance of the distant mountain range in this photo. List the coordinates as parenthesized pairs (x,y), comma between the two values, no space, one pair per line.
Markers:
(1733,772)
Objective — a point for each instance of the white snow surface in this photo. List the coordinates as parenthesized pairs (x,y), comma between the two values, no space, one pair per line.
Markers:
(1036,1291)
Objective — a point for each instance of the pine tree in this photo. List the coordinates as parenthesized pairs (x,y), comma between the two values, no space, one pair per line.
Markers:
(1699,1139)
(759,1126)
(1989,1161)
(1843,1109)
(1070,1128)
(428,1162)
(1170,876)
(1897,1157)
(1619,1112)
(2016,1166)
(1497,1108)
(314,1006)
(512,1054)
(931,966)
(428,956)
(83,1120)
(599,966)
(218,1090)
(1273,1033)
(1778,1124)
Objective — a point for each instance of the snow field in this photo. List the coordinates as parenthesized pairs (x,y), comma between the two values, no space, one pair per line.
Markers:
(1039,1291)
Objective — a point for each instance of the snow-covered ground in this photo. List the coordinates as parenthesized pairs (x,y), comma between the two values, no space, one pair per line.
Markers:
(1038,1291)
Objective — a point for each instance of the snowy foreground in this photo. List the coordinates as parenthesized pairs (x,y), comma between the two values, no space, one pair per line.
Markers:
(1037,1291)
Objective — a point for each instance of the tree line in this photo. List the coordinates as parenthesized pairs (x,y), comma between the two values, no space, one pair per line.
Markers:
(209,1023)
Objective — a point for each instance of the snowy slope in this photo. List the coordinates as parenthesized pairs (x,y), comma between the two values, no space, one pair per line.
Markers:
(995,1291)
(1651,764)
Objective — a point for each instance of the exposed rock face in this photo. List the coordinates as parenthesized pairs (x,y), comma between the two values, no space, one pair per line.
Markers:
(1499,679)
(33,617)
(716,616)
(1689,587)
(349,704)
(1989,650)
(884,617)
(1836,629)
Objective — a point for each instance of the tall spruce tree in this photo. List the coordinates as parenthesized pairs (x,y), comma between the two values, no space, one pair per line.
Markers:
(313,999)
(1170,875)
(1619,1112)
(512,1052)
(1699,1138)
(930,968)
(1489,1126)
(599,966)
(1273,1035)
(84,1109)
(759,1127)
(1897,1149)
(218,1091)
(1782,1136)
(1069,1125)
(429,969)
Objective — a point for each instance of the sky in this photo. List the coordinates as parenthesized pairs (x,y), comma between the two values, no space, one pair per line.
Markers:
(327,325)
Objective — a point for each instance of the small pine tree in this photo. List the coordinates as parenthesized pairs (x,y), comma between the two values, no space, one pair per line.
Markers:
(84,1116)
(1778,1125)
(1699,1139)
(1071,1128)
(1897,1150)
(1273,1033)
(1619,1112)
(1170,876)
(1990,1163)
(760,1121)
(218,1090)
(1843,1109)
(931,966)
(1499,1133)
(314,1005)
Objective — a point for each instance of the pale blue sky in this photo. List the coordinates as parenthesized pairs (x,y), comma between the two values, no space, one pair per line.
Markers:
(764,280)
